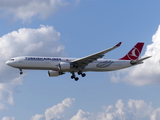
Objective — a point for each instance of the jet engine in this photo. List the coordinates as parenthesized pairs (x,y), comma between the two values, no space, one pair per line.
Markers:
(52,73)
(64,65)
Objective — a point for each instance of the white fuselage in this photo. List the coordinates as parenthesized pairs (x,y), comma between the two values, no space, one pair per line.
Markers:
(51,63)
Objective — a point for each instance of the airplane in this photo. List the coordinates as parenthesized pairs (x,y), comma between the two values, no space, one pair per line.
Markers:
(59,65)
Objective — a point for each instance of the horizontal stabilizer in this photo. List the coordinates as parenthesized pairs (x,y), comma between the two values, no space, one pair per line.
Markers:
(139,61)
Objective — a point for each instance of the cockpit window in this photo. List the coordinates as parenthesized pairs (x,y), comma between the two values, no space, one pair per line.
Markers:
(12,59)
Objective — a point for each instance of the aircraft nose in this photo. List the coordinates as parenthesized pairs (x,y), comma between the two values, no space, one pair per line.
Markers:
(8,63)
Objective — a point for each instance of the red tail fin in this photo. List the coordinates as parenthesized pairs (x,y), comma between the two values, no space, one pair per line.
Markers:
(134,52)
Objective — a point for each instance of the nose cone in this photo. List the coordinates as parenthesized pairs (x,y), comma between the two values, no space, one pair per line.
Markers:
(8,63)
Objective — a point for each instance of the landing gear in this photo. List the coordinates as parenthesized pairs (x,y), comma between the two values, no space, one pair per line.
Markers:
(21,71)
(79,73)
(74,77)
(82,74)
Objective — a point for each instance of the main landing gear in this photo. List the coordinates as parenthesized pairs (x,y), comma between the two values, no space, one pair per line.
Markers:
(82,74)
(79,73)
(74,77)
(21,71)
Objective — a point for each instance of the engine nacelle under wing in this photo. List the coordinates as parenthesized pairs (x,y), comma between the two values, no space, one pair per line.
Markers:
(52,73)
(64,65)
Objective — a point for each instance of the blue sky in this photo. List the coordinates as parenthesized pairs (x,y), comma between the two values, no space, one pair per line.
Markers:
(77,28)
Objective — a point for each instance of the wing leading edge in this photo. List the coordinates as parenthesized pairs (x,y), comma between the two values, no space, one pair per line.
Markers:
(83,62)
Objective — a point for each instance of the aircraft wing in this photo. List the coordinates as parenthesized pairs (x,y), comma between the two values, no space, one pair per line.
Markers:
(139,61)
(83,62)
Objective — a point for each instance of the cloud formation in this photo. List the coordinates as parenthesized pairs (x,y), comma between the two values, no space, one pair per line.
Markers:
(31,8)
(43,41)
(81,115)
(57,112)
(8,118)
(132,110)
(146,73)
(2,107)
(25,10)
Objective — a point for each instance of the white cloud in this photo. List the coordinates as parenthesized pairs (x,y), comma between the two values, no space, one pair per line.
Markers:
(81,115)
(3,107)
(57,112)
(8,118)
(7,90)
(146,73)
(25,10)
(155,115)
(43,41)
(132,110)
(38,117)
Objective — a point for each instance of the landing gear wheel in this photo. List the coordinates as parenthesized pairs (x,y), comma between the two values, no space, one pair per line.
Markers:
(76,78)
(79,73)
(21,71)
(72,77)
(83,74)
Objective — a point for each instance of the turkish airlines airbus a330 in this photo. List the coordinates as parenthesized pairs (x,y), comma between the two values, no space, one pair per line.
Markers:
(59,65)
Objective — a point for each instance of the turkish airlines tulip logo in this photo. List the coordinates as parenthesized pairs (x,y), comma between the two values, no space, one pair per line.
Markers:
(134,54)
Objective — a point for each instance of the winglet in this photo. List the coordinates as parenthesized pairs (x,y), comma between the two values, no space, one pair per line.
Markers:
(119,44)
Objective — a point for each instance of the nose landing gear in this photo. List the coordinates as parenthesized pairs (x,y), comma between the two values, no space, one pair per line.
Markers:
(21,71)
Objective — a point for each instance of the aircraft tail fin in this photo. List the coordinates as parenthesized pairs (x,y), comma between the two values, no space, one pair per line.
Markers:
(134,53)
